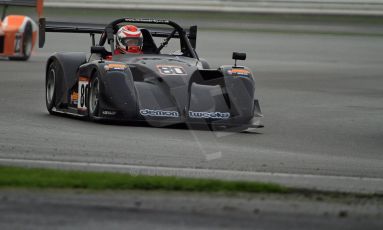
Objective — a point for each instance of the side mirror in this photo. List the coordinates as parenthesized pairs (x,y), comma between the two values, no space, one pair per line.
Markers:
(99,50)
(238,56)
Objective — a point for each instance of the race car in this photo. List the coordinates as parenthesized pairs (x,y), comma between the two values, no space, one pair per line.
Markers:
(157,87)
(18,33)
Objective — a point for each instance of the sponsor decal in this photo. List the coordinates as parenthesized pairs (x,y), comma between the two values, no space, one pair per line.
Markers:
(74,98)
(115,67)
(18,40)
(171,70)
(239,72)
(109,113)
(213,115)
(146,20)
(158,113)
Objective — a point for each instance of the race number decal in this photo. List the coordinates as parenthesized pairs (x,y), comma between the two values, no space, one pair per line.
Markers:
(17,43)
(171,70)
(82,93)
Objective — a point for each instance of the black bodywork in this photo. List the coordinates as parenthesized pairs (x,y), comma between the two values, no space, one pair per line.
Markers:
(160,89)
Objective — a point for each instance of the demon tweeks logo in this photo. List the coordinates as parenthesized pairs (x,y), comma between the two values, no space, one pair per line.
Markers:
(159,113)
(214,115)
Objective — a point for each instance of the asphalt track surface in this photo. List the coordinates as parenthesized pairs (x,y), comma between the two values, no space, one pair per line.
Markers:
(321,96)
(155,210)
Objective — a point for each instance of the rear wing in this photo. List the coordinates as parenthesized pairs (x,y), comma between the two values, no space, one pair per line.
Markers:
(27,3)
(92,28)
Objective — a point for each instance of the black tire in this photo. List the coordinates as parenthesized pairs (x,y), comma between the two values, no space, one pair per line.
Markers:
(93,97)
(27,44)
(50,85)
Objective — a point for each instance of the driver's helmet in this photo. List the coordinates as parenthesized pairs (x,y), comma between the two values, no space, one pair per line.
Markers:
(129,39)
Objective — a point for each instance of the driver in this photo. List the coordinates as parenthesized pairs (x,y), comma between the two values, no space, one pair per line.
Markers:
(129,40)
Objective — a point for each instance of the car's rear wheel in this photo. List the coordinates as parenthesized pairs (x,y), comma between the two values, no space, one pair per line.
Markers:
(27,44)
(50,85)
(93,98)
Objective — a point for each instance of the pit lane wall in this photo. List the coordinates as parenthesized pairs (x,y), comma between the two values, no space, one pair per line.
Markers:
(320,7)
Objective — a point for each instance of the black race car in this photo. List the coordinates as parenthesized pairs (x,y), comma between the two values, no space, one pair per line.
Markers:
(157,87)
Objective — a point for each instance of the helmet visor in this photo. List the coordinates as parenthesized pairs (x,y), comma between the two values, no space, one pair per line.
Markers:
(131,41)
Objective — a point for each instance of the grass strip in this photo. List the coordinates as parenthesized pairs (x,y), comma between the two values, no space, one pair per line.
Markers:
(17,177)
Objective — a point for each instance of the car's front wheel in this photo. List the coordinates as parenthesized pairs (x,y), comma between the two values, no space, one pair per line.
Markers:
(50,85)
(26,44)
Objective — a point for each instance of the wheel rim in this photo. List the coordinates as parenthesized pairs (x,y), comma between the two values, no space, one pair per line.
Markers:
(51,86)
(93,97)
